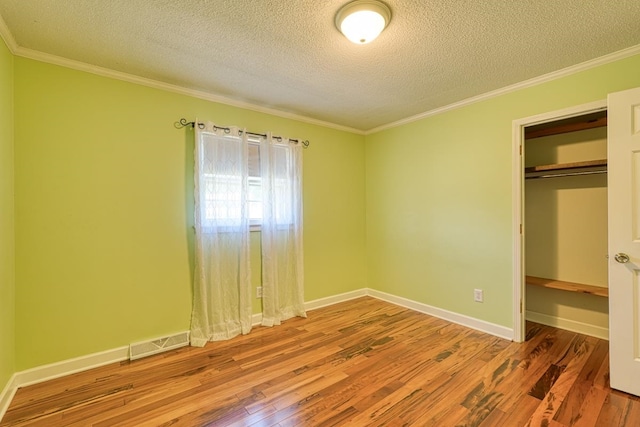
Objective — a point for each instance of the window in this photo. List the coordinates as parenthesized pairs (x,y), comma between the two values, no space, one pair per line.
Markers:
(222,193)
(234,190)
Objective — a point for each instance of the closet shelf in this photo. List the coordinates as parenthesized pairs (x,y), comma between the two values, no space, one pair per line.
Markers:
(588,167)
(567,286)
(590,121)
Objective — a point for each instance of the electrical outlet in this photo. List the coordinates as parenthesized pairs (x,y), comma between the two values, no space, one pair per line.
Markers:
(259,292)
(478,295)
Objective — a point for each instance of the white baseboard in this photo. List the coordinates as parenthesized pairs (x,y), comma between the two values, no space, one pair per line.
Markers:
(335,299)
(7,395)
(57,370)
(71,366)
(460,319)
(569,325)
(256,319)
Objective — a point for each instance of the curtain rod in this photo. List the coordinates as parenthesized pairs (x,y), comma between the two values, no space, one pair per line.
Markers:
(184,123)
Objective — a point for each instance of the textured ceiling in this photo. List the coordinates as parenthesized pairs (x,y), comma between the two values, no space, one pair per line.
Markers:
(288,55)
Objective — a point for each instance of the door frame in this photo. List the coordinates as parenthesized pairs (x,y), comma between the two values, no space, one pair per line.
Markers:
(518,126)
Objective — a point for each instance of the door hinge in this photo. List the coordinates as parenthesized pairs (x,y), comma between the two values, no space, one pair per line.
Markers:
(520,228)
(521,150)
(520,306)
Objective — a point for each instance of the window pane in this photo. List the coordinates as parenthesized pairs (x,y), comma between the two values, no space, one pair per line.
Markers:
(255,210)
(255,189)
(222,197)
(254,160)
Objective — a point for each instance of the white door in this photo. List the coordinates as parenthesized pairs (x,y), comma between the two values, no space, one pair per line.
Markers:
(624,239)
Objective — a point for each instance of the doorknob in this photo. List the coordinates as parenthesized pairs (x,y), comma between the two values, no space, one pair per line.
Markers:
(622,258)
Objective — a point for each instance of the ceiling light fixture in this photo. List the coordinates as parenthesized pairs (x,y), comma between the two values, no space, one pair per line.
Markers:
(361,21)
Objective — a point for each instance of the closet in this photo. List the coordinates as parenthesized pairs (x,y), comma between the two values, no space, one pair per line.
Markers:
(565,195)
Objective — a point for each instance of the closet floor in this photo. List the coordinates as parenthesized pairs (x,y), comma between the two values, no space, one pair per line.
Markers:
(363,363)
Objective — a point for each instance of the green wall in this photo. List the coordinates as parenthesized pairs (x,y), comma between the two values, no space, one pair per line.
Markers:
(104,196)
(7,260)
(103,206)
(439,195)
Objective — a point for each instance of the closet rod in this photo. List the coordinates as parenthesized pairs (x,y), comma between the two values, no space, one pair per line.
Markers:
(558,175)
(184,123)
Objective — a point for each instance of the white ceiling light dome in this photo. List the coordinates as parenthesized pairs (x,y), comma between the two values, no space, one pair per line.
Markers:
(361,21)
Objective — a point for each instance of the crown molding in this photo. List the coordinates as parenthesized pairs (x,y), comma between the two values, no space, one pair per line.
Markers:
(8,38)
(6,35)
(143,81)
(583,66)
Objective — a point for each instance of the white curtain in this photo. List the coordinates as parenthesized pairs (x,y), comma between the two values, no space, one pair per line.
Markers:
(282,257)
(222,280)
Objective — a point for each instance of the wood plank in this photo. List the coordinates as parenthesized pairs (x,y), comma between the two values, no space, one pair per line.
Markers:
(544,384)
(573,360)
(362,362)
(584,390)
(567,286)
(565,128)
(518,415)
(567,166)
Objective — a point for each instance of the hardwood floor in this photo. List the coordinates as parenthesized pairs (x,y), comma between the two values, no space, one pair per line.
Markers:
(360,363)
